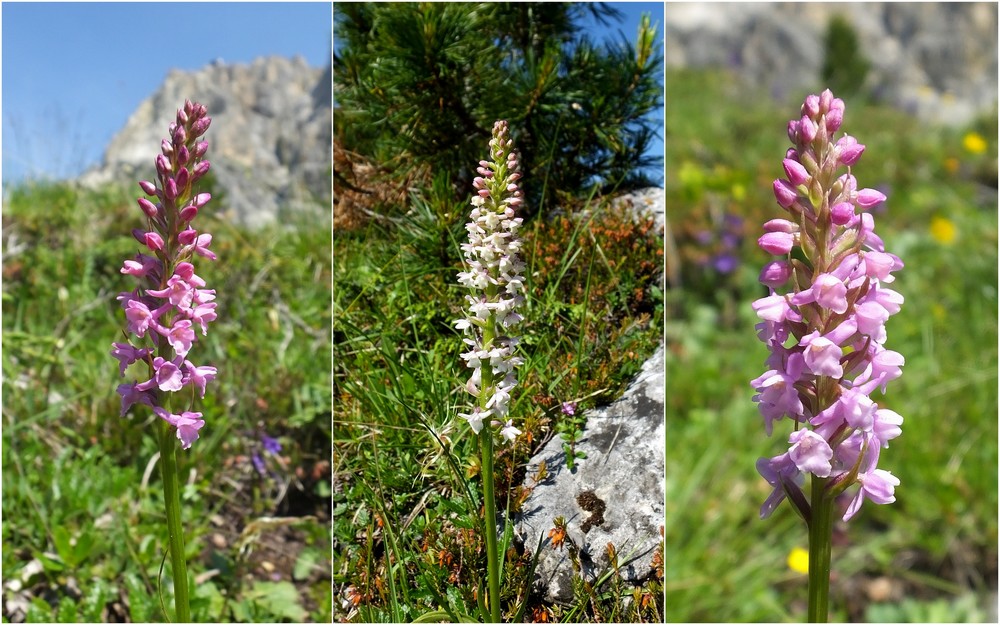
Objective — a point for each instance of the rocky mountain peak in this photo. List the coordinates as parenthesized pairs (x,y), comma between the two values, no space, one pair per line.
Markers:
(269,142)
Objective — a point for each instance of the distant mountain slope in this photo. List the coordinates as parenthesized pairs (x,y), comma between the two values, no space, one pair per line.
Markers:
(937,60)
(269,143)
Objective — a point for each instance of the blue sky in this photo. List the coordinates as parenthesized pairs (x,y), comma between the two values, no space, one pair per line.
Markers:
(628,27)
(73,73)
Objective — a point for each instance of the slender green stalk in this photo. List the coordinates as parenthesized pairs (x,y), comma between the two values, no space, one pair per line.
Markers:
(489,496)
(489,504)
(172,501)
(820,534)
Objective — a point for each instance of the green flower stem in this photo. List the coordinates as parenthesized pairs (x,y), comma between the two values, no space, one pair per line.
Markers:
(489,503)
(820,534)
(172,502)
(489,497)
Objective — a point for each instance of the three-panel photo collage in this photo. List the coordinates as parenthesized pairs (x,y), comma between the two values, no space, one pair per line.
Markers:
(499,312)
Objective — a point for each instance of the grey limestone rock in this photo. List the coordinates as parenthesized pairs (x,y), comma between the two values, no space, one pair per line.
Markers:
(623,470)
(647,203)
(269,143)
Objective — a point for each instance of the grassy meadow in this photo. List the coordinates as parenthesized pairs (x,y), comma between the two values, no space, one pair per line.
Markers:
(83,519)
(408,539)
(932,555)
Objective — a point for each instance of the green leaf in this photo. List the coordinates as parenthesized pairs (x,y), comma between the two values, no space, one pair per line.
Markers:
(94,600)
(51,562)
(305,564)
(84,545)
(142,604)
(61,540)
(39,612)
(66,611)
(208,603)
(280,599)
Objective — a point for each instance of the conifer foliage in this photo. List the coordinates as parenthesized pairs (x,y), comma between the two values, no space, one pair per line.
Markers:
(417,87)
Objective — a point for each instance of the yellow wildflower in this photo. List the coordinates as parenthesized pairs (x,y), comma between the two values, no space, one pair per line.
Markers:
(798,560)
(943,230)
(974,143)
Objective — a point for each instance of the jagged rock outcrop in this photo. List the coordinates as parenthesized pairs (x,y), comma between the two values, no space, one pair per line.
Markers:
(937,60)
(269,143)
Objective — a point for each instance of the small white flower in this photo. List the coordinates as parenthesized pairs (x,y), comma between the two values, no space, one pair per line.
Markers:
(500,401)
(480,309)
(476,418)
(510,432)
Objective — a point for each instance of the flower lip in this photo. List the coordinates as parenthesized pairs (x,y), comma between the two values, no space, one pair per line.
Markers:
(777,243)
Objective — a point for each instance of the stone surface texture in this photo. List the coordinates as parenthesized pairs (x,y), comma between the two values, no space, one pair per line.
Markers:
(269,142)
(624,443)
(936,60)
(648,202)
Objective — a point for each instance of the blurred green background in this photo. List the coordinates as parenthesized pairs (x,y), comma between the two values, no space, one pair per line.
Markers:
(84,532)
(932,555)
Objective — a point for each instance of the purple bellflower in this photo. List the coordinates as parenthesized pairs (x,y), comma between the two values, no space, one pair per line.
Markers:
(170,306)
(824,319)
(496,284)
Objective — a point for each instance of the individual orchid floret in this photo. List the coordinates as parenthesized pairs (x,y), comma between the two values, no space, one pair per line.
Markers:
(170,300)
(824,318)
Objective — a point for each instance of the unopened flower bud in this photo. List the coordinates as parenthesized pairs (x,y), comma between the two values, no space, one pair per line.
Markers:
(200,127)
(796,173)
(162,165)
(188,236)
(841,213)
(188,213)
(200,170)
(785,193)
(148,208)
(153,241)
(807,130)
(777,243)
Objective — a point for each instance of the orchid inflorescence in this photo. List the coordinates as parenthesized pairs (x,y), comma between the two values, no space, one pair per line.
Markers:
(494,277)
(170,301)
(826,331)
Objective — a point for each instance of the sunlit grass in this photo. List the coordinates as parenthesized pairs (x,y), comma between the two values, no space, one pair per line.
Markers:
(407,532)
(83,518)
